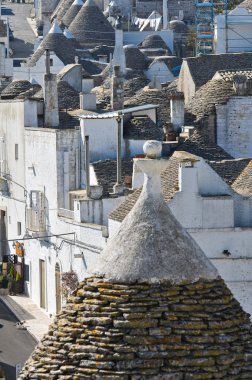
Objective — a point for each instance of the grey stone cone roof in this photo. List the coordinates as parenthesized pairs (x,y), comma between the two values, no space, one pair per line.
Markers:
(153,41)
(61,9)
(151,246)
(91,28)
(135,59)
(59,44)
(71,14)
(19,88)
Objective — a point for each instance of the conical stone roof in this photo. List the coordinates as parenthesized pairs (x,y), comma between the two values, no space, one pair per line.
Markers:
(62,8)
(72,12)
(137,325)
(153,41)
(55,41)
(91,28)
(135,59)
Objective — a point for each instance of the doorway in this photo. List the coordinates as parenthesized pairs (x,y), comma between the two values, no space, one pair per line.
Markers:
(57,288)
(42,284)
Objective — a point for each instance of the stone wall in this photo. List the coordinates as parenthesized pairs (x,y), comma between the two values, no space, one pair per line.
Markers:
(141,331)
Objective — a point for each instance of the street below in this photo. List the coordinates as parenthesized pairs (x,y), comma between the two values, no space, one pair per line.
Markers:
(15,345)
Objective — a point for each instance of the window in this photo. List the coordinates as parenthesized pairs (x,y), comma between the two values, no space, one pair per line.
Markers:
(9,220)
(19,228)
(16,151)
(26,273)
(51,62)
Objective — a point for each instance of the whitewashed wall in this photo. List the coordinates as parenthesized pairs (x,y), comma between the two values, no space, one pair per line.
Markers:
(238,33)
(234,126)
(159,71)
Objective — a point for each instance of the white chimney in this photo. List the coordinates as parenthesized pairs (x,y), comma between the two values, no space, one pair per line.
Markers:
(51,107)
(119,54)
(87,99)
(188,176)
(165,15)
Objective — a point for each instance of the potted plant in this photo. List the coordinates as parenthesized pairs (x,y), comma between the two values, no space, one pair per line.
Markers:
(17,284)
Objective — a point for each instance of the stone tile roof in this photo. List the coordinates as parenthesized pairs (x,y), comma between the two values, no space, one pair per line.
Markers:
(246,4)
(92,67)
(91,28)
(200,145)
(21,89)
(106,171)
(142,128)
(203,68)
(149,95)
(169,181)
(3,29)
(68,121)
(135,59)
(236,173)
(59,44)
(101,50)
(153,41)
(178,26)
(72,12)
(228,75)
(187,331)
(131,86)
(68,97)
(243,183)
(212,93)
(61,9)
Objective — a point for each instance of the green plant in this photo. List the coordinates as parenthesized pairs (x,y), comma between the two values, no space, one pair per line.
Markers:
(11,272)
(18,276)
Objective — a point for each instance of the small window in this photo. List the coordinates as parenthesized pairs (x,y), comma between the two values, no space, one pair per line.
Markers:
(51,62)
(19,228)
(26,273)
(16,151)
(9,220)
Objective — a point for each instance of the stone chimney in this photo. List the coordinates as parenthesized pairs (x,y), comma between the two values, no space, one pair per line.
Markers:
(51,108)
(117,96)
(119,54)
(177,106)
